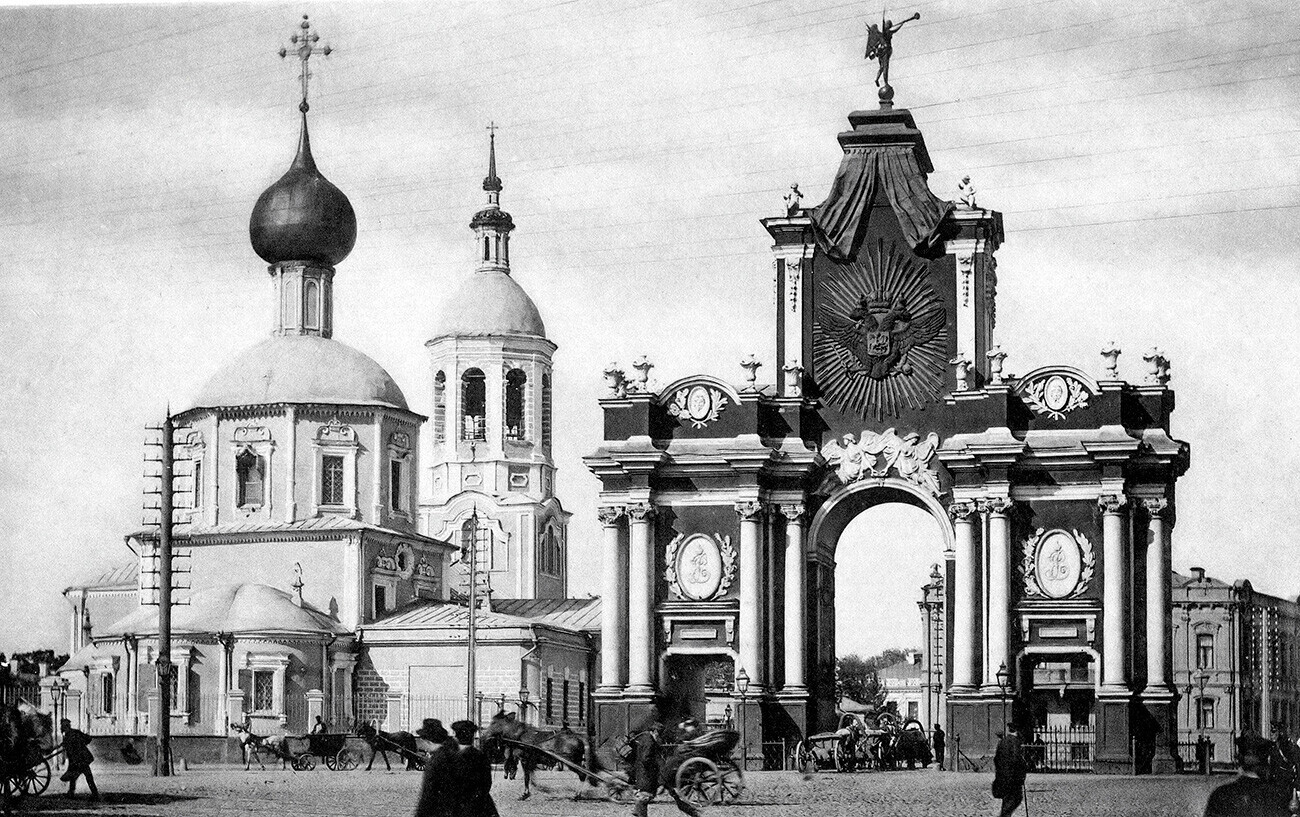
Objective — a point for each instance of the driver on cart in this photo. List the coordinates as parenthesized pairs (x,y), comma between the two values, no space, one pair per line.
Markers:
(649,769)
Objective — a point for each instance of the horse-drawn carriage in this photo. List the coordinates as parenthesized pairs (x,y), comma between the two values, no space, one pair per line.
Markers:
(862,743)
(26,749)
(330,747)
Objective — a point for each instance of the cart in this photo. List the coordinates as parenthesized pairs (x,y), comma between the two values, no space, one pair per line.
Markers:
(855,745)
(330,747)
(24,777)
(706,773)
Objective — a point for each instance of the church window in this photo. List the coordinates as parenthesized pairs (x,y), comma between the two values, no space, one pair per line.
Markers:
(331,482)
(1204,651)
(248,476)
(198,484)
(174,688)
(311,305)
(263,691)
(107,693)
(550,698)
(440,407)
(582,701)
(552,560)
(381,599)
(487,249)
(473,400)
(395,484)
(497,246)
(546,411)
(505,248)
(516,381)
(564,702)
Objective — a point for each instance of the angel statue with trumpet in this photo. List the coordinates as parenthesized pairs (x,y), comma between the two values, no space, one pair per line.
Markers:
(880,45)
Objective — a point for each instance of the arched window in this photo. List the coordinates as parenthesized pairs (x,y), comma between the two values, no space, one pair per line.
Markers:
(516,381)
(311,305)
(546,411)
(497,243)
(487,248)
(440,407)
(552,559)
(107,692)
(198,484)
(505,248)
(473,405)
(248,479)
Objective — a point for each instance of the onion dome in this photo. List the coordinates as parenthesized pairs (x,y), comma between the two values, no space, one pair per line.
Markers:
(489,303)
(303,217)
(301,369)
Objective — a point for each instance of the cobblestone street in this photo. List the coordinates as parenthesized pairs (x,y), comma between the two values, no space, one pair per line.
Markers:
(213,791)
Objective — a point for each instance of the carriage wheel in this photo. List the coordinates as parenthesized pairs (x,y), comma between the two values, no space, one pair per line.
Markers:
(346,760)
(37,779)
(698,781)
(732,782)
(11,789)
(304,763)
(330,762)
(418,764)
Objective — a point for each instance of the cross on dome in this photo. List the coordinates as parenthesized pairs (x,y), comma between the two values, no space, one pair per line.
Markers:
(305,46)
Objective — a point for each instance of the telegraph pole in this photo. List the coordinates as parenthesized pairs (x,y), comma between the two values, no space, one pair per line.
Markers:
(164,726)
(471,685)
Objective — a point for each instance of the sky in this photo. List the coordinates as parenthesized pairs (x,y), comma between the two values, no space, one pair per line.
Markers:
(1143,155)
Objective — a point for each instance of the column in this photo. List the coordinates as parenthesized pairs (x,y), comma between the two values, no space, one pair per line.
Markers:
(1158,592)
(998,627)
(640,599)
(613,599)
(1115,565)
(132,680)
(751,593)
(224,644)
(966,601)
(796,565)
(291,464)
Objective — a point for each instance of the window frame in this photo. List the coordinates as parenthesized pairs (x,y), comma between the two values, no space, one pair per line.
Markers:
(473,427)
(1205,650)
(331,475)
(248,459)
(334,439)
(440,406)
(515,417)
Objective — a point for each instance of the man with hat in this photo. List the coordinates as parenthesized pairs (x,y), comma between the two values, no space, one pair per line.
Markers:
(648,768)
(470,779)
(435,799)
(1009,771)
(75,743)
(1251,794)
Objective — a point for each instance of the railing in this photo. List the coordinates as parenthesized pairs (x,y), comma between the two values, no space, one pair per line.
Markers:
(11,694)
(1195,756)
(776,756)
(473,428)
(1067,749)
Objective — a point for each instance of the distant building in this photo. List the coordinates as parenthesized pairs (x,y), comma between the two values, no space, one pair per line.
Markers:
(1234,661)
(903,684)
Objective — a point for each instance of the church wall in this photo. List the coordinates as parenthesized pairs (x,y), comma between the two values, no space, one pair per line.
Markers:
(105,608)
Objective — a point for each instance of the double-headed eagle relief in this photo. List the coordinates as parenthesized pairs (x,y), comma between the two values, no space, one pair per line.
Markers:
(879,343)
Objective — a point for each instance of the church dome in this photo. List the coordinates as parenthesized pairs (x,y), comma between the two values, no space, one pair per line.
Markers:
(489,302)
(233,608)
(303,217)
(301,369)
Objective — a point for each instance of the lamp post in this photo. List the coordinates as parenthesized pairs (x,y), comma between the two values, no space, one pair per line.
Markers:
(1003,676)
(470,668)
(523,704)
(60,712)
(742,686)
(1202,747)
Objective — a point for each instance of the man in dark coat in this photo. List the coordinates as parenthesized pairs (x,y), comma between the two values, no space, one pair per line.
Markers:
(75,748)
(470,775)
(649,769)
(1009,771)
(940,741)
(1251,795)
(435,797)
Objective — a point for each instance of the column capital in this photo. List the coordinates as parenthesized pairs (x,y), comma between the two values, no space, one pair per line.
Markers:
(750,510)
(1155,505)
(610,514)
(995,505)
(1112,504)
(640,511)
(961,512)
(792,511)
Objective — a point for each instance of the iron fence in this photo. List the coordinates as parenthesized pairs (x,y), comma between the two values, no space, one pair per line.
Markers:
(1195,756)
(11,694)
(776,756)
(1068,749)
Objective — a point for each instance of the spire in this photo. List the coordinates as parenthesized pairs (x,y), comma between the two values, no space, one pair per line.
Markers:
(491,183)
(303,161)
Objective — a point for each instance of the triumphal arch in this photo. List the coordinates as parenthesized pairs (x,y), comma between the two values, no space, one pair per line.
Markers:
(723,504)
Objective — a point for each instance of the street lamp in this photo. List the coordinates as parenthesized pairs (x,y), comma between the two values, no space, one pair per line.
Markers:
(742,686)
(1003,677)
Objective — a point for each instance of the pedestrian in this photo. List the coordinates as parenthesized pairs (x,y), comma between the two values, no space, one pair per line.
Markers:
(1009,771)
(1251,795)
(470,781)
(75,748)
(318,728)
(940,741)
(435,795)
(648,767)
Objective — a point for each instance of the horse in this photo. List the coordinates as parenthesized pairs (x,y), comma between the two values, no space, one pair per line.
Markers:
(253,746)
(565,744)
(400,743)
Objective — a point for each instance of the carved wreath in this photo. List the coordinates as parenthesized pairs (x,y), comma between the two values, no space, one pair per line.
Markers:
(1036,396)
(687,409)
(1029,564)
(725,549)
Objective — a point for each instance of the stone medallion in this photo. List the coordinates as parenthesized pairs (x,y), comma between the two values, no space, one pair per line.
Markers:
(700,567)
(1057,564)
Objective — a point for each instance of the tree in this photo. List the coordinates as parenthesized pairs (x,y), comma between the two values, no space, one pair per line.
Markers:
(857,677)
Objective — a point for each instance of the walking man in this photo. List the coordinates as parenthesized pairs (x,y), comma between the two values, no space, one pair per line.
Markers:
(650,768)
(1009,771)
(435,788)
(75,743)
(471,775)
(1251,795)
(939,739)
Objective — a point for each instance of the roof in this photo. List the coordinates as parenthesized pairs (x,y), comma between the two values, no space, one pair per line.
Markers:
(298,529)
(301,369)
(489,302)
(902,669)
(233,608)
(124,576)
(576,615)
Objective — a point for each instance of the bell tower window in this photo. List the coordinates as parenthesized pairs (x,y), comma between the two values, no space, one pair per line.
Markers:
(249,479)
(473,400)
(487,248)
(331,488)
(516,381)
(440,407)
(546,411)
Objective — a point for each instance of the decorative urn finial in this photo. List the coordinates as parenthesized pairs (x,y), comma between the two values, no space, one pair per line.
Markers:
(962,366)
(793,378)
(1110,360)
(751,364)
(614,378)
(643,367)
(996,356)
(1157,367)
